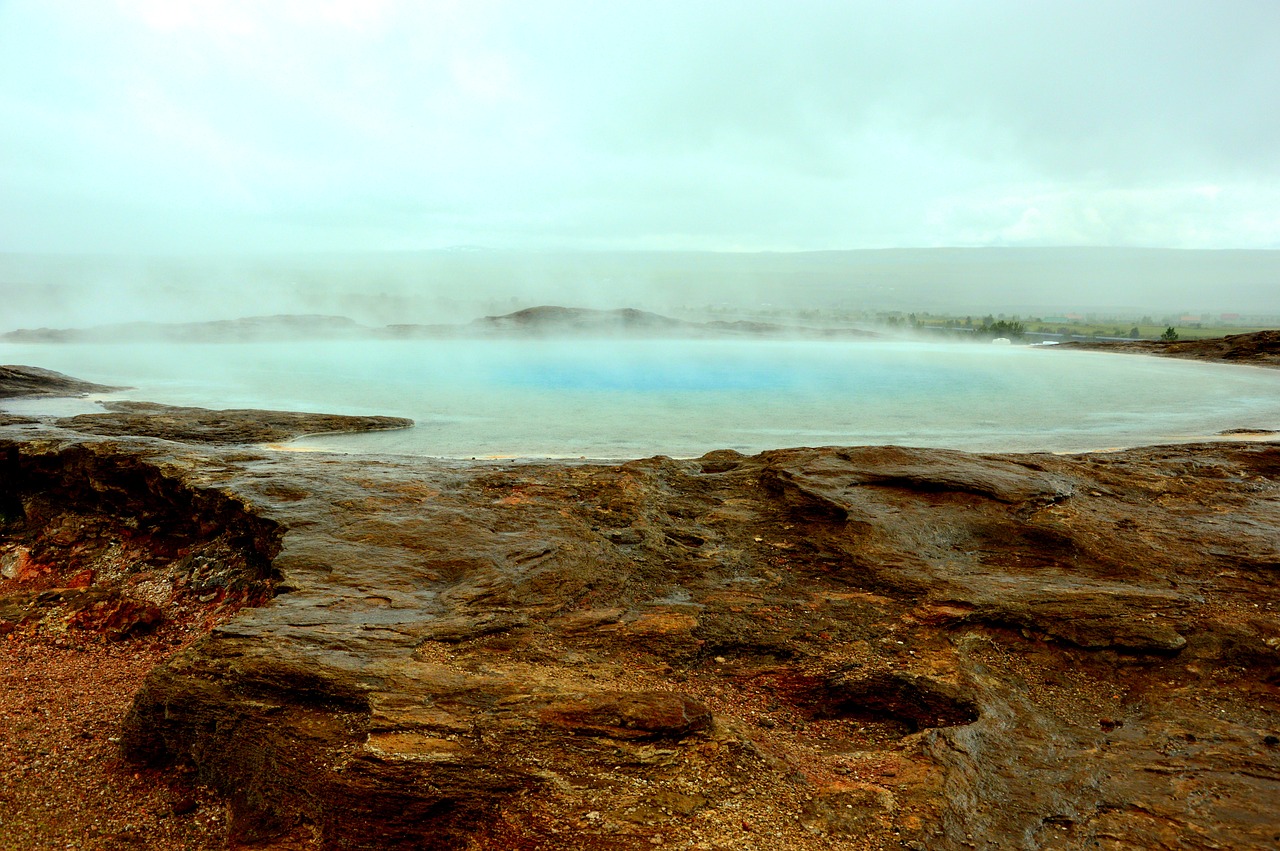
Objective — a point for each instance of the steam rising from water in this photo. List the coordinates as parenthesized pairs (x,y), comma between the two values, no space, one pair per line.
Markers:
(457,286)
(618,399)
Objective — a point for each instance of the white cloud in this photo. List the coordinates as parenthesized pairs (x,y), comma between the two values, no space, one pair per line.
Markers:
(1186,216)
(716,124)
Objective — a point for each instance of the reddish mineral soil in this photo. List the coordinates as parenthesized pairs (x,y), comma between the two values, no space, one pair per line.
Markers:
(63,782)
(90,602)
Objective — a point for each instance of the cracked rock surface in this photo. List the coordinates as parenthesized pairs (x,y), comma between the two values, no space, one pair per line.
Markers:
(871,647)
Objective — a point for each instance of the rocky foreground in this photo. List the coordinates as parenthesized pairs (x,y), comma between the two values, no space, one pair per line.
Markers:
(870,647)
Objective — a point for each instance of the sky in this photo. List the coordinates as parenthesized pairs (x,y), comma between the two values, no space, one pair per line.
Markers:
(315,125)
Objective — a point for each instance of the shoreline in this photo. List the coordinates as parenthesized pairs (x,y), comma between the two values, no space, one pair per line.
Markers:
(214,643)
(1153,418)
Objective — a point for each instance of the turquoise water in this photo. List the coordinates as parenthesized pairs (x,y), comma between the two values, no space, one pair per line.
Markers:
(616,399)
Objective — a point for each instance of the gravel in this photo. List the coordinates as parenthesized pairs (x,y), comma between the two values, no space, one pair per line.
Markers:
(63,780)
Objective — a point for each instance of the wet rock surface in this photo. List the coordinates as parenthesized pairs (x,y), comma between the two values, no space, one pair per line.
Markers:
(93,543)
(1259,348)
(34,381)
(107,568)
(846,647)
(203,425)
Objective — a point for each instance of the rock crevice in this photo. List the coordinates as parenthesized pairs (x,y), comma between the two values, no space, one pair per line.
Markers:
(810,645)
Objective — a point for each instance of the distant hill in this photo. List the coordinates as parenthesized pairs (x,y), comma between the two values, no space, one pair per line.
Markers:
(547,320)
(377,288)
(557,321)
(551,318)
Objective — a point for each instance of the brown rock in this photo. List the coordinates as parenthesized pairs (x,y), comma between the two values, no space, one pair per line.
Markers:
(630,715)
(202,425)
(83,579)
(950,650)
(1258,348)
(115,617)
(32,381)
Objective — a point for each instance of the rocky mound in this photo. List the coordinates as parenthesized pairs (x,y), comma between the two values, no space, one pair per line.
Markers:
(1261,348)
(202,425)
(33,381)
(864,648)
(556,319)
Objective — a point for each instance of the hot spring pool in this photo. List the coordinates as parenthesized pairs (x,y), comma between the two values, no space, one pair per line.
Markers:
(633,398)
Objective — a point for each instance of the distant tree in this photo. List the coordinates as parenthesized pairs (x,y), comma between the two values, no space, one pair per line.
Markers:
(1003,328)
(1169,334)
(1134,333)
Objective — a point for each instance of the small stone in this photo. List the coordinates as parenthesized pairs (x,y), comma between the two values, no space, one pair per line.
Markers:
(183,803)
(83,579)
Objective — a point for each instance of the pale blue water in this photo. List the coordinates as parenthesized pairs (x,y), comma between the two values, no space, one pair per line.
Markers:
(622,399)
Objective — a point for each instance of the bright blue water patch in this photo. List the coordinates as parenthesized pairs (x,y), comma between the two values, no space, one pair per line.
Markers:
(568,374)
(798,368)
(631,398)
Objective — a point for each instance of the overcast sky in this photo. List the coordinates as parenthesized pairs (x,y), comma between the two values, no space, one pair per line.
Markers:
(177,125)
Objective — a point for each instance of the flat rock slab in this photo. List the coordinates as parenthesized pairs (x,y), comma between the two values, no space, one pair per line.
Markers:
(33,381)
(203,425)
(867,648)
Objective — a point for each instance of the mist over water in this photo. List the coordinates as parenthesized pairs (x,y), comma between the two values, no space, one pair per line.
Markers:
(400,162)
(625,397)
(380,288)
(633,398)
